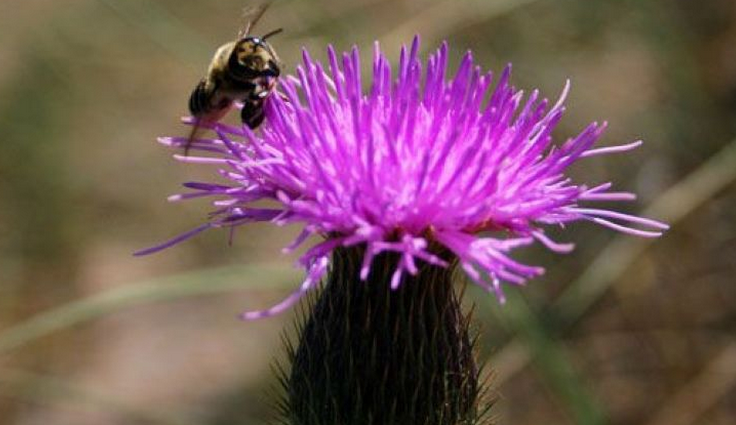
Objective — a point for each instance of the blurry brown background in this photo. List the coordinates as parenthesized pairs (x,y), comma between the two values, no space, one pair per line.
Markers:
(622,331)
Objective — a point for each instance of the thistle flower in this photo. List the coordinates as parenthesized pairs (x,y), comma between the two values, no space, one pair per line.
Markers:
(419,163)
(400,185)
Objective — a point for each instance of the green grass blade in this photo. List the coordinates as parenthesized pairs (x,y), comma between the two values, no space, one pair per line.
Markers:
(213,281)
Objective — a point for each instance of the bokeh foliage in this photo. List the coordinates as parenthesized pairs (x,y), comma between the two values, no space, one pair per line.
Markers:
(619,332)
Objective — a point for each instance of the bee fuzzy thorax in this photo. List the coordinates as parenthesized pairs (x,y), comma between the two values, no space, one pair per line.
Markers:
(252,57)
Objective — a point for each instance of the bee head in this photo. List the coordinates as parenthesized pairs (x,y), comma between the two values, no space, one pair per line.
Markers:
(252,58)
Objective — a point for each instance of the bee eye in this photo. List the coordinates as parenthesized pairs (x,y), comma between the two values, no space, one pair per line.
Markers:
(273,69)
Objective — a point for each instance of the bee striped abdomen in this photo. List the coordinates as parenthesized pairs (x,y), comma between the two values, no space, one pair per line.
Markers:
(200,99)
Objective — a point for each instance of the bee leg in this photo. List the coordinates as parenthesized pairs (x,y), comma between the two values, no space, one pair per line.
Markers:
(283,97)
(192,135)
(252,114)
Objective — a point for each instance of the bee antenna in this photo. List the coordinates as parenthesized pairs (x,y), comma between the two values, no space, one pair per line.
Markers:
(253,15)
(272,33)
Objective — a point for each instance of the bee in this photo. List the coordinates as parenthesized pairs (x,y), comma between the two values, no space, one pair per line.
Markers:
(244,70)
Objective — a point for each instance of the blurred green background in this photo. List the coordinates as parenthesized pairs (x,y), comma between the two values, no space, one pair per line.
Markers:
(622,331)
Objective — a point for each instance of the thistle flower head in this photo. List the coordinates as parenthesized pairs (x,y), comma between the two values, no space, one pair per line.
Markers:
(418,161)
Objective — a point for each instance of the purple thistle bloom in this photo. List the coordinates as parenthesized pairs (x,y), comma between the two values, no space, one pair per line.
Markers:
(420,161)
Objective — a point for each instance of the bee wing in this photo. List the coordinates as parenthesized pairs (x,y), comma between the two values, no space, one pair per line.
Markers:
(251,16)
